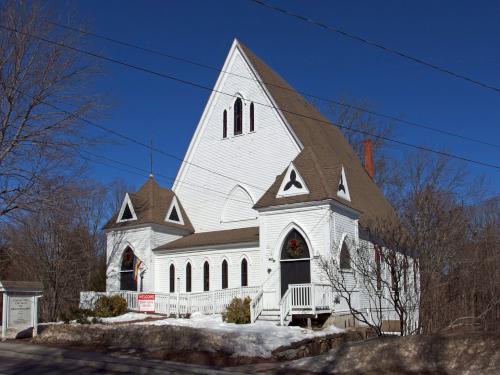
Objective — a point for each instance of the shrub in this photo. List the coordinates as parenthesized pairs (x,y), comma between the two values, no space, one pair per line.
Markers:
(110,306)
(238,311)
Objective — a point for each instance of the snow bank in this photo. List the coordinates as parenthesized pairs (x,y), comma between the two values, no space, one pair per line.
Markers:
(258,339)
(128,317)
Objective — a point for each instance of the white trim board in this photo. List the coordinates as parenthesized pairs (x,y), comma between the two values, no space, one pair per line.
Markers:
(126,202)
(174,205)
(292,184)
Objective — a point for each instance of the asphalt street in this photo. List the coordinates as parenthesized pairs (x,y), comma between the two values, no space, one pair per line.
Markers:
(25,358)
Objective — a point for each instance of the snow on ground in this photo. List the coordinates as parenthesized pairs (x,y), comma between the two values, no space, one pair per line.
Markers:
(128,317)
(258,339)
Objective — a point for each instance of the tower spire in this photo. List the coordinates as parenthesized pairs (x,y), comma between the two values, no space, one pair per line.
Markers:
(151,159)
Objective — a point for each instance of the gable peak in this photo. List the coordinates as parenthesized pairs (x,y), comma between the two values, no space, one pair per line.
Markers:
(343,187)
(127,211)
(292,183)
(174,214)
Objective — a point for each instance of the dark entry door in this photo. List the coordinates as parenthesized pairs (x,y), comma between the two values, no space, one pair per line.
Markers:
(295,272)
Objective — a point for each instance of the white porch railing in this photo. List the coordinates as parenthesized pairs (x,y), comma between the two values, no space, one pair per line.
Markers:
(256,306)
(286,308)
(307,299)
(311,297)
(213,302)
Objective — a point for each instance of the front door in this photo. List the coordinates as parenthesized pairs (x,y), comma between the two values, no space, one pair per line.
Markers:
(294,272)
(295,261)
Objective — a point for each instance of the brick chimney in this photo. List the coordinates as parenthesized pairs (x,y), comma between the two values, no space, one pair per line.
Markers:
(368,152)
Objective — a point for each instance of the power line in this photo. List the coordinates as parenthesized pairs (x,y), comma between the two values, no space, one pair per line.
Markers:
(145,172)
(378,45)
(194,84)
(336,102)
(164,177)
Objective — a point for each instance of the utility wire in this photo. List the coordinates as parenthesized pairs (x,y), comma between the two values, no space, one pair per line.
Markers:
(336,102)
(194,84)
(378,45)
(164,177)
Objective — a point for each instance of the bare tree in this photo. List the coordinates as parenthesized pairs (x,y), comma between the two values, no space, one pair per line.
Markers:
(453,232)
(378,283)
(62,246)
(358,124)
(42,92)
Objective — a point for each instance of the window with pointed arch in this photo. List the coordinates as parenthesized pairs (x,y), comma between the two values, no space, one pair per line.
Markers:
(378,269)
(172,278)
(224,274)
(252,117)
(294,246)
(238,116)
(188,277)
(244,272)
(127,280)
(206,276)
(345,257)
(224,124)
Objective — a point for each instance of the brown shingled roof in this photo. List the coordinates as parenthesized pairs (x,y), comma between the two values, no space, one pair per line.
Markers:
(320,183)
(220,237)
(151,203)
(325,152)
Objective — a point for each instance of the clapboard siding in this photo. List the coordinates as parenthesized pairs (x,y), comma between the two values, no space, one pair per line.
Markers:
(218,186)
(215,258)
(252,160)
(141,240)
(313,221)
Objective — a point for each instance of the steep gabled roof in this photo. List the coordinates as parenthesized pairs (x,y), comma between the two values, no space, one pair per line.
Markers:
(151,203)
(321,183)
(325,151)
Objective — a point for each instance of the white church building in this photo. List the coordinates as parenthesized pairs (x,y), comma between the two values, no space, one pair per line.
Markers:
(267,186)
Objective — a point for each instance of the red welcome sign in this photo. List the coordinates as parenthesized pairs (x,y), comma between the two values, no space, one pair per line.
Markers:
(146,302)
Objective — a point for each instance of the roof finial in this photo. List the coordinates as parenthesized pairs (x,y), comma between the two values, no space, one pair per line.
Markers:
(151,159)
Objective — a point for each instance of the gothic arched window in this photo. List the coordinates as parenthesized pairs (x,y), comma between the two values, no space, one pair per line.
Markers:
(127,280)
(188,277)
(206,277)
(224,124)
(252,118)
(224,274)
(244,272)
(294,246)
(238,116)
(345,257)
(172,278)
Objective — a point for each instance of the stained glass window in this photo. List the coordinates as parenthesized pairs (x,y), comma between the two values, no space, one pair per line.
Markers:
(294,246)
(224,275)
(206,277)
(244,272)
(238,116)
(224,124)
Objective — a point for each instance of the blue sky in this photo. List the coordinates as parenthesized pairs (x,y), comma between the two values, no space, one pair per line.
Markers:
(462,36)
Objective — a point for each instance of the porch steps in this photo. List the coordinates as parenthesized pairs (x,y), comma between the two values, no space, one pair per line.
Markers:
(270,315)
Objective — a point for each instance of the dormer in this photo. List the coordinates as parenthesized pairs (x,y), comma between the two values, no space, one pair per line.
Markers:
(127,212)
(292,184)
(151,205)
(343,187)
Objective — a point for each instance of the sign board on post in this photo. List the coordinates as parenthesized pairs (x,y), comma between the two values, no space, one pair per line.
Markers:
(146,302)
(20,305)
(20,311)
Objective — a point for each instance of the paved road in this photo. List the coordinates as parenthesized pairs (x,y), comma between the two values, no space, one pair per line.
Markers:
(23,358)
